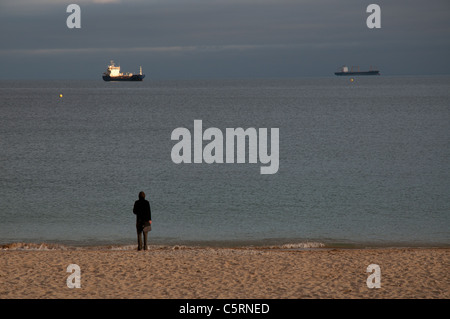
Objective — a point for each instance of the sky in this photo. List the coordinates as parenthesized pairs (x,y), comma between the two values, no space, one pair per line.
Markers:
(191,39)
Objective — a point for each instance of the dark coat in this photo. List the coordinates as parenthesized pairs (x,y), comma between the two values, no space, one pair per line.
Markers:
(142,211)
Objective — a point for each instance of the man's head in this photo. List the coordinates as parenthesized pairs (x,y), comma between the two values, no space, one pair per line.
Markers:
(141,195)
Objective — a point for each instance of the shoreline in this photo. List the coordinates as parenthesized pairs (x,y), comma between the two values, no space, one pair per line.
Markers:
(226,273)
(284,245)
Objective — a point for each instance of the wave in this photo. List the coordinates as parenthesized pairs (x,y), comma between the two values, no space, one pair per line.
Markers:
(34,246)
(18,246)
(305,245)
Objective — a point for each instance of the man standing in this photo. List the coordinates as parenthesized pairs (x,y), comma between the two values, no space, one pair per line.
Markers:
(143,219)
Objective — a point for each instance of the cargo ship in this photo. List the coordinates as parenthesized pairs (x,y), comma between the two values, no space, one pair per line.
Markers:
(113,74)
(345,71)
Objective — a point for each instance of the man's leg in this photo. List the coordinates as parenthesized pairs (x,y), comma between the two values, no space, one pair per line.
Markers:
(145,240)
(139,239)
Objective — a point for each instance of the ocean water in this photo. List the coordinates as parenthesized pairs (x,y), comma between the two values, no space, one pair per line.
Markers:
(362,163)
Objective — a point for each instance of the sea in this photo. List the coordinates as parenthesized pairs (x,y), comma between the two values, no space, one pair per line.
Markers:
(363,162)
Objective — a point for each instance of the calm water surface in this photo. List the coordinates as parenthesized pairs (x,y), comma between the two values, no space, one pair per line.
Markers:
(361,163)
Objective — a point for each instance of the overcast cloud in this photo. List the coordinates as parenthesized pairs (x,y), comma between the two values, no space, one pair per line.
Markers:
(222,38)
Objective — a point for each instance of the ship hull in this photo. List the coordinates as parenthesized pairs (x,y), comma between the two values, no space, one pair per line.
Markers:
(134,77)
(358,73)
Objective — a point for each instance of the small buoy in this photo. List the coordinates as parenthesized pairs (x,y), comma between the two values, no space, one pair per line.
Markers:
(60,95)
(351,80)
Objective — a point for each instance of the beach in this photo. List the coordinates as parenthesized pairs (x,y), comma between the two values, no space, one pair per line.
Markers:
(179,272)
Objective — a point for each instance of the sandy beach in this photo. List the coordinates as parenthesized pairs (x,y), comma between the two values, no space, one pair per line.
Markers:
(210,273)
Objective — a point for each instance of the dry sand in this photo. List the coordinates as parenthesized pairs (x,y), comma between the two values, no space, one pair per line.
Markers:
(225,273)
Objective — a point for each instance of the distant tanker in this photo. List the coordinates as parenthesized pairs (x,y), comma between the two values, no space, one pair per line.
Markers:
(344,71)
(113,74)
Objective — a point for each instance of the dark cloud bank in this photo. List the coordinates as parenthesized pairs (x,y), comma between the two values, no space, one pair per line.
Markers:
(222,39)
